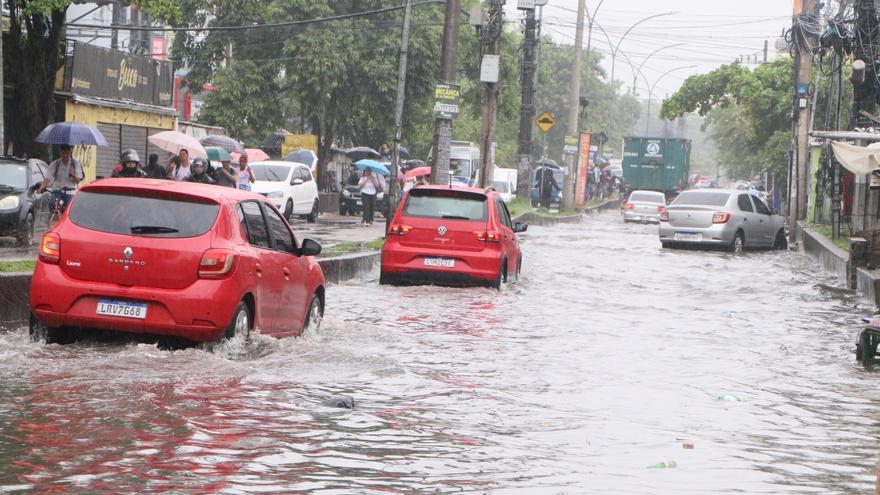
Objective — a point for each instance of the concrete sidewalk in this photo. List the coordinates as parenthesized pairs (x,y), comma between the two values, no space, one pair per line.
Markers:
(331,229)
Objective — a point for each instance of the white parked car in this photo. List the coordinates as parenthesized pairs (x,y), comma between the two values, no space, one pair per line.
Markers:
(289,185)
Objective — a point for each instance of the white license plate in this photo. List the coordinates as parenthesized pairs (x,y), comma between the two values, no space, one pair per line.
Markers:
(444,262)
(360,203)
(124,309)
(688,236)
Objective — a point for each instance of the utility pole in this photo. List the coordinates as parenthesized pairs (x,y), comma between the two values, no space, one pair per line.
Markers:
(803,65)
(492,33)
(448,65)
(766,48)
(398,112)
(2,95)
(573,107)
(114,21)
(527,108)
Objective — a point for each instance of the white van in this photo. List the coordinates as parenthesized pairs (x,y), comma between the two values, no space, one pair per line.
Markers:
(504,182)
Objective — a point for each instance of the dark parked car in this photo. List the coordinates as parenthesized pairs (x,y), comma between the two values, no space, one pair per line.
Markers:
(350,202)
(19,204)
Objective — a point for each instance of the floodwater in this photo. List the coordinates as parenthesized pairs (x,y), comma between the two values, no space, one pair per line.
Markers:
(610,356)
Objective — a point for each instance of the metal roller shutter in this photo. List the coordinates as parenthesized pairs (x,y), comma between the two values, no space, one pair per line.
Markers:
(135,138)
(108,156)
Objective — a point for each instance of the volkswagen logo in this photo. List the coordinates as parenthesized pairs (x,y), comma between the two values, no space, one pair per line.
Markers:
(128,253)
(441,230)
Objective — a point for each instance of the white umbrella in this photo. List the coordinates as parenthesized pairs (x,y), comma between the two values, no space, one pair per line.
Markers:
(173,142)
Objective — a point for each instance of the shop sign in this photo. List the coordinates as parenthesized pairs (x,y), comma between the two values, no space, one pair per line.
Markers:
(117,75)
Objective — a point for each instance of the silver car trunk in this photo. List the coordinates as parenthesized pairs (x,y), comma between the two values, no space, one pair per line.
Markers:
(691,216)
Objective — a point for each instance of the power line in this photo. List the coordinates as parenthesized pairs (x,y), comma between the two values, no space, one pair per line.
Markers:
(256,26)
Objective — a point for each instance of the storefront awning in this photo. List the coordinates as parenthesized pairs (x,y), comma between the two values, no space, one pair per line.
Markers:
(127,105)
(860,160)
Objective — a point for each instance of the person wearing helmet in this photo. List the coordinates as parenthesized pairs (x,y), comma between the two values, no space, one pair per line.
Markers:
(199,169)
(131,165)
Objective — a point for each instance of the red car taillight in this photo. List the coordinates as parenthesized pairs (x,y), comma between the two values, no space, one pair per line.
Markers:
(661,209)
(487,236)
(399,229)
(217,263)
(720,217)
(50,248)
(629,206)
(664,215)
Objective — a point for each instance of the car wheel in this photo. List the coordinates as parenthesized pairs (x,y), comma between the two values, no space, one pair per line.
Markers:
(241,322)
(288,210)
(313,215)
(781,242)
(25,234)
(502,276)
(342,211)
(738,243)
(666,245)
(314,315)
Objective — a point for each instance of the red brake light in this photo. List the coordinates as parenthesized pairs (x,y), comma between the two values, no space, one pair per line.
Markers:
(664,215)
(720,217)
(487,236)
(661,209)
(629,206)
(399,229)
(50,248)
(217,263)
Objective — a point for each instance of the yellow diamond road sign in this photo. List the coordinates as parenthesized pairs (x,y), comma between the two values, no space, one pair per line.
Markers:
(545,122)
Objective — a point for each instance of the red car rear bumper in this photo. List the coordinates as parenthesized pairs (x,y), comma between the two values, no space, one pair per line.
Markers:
(408,262)
(200,312)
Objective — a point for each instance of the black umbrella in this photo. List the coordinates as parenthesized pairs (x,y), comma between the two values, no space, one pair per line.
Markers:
(361,152)
(223,142)
(403,153)
(546,162)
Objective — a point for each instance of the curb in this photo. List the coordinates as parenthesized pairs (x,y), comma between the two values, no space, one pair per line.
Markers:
(833,260)
(533,218)
(15,287)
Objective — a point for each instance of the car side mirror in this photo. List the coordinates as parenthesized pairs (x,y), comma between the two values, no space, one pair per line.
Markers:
(297,182)
(310,248)
(520,227)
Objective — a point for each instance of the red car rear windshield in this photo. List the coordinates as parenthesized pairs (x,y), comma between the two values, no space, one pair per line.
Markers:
(142,215)
(446,204)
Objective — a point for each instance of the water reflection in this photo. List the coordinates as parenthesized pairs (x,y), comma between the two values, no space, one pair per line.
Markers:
(608,357)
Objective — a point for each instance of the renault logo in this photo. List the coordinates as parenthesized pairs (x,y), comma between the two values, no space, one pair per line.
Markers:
(128,253)
(441,230)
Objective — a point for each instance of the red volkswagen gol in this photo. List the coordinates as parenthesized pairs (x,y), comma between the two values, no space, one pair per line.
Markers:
(197,261)
(451,235)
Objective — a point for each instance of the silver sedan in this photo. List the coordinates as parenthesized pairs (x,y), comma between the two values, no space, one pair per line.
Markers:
(644,206)
(732,219)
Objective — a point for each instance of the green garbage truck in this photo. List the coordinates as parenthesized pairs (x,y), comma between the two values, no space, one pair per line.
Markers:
(656,164)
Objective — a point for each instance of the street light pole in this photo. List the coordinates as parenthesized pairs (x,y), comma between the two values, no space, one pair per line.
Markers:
(654,86)
(617,48)
(655,52)
(398,109)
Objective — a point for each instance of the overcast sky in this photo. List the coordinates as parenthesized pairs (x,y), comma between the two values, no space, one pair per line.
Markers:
(711,33)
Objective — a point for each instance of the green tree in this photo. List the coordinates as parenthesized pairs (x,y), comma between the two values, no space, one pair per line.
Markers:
(33,51)
(747,114)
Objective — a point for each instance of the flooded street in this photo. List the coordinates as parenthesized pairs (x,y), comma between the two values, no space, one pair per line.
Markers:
(610,356)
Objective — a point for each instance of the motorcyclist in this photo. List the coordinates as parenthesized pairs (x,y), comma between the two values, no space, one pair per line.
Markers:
(200,174)
(131,165)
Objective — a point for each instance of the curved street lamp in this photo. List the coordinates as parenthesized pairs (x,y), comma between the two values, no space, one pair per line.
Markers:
(651,91)
(616,49)
(655,52)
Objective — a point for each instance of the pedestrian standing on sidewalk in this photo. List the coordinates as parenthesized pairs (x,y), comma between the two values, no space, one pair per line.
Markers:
(370,187)
(226,176)
(153,170)
(244,174)
(178,166)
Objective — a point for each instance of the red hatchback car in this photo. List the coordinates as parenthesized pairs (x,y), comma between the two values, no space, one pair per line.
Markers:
(196,261)
(451,235)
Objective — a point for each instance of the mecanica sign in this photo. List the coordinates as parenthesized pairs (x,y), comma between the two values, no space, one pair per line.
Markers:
(105,73)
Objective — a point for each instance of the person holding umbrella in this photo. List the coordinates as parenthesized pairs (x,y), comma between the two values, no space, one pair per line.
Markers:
(370,187)
(64,174)
(178,166)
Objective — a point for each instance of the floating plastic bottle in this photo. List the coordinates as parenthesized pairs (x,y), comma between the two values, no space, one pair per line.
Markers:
(730,397)
(663,465)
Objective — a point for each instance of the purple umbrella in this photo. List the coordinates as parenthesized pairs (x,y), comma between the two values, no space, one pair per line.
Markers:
(71,133)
